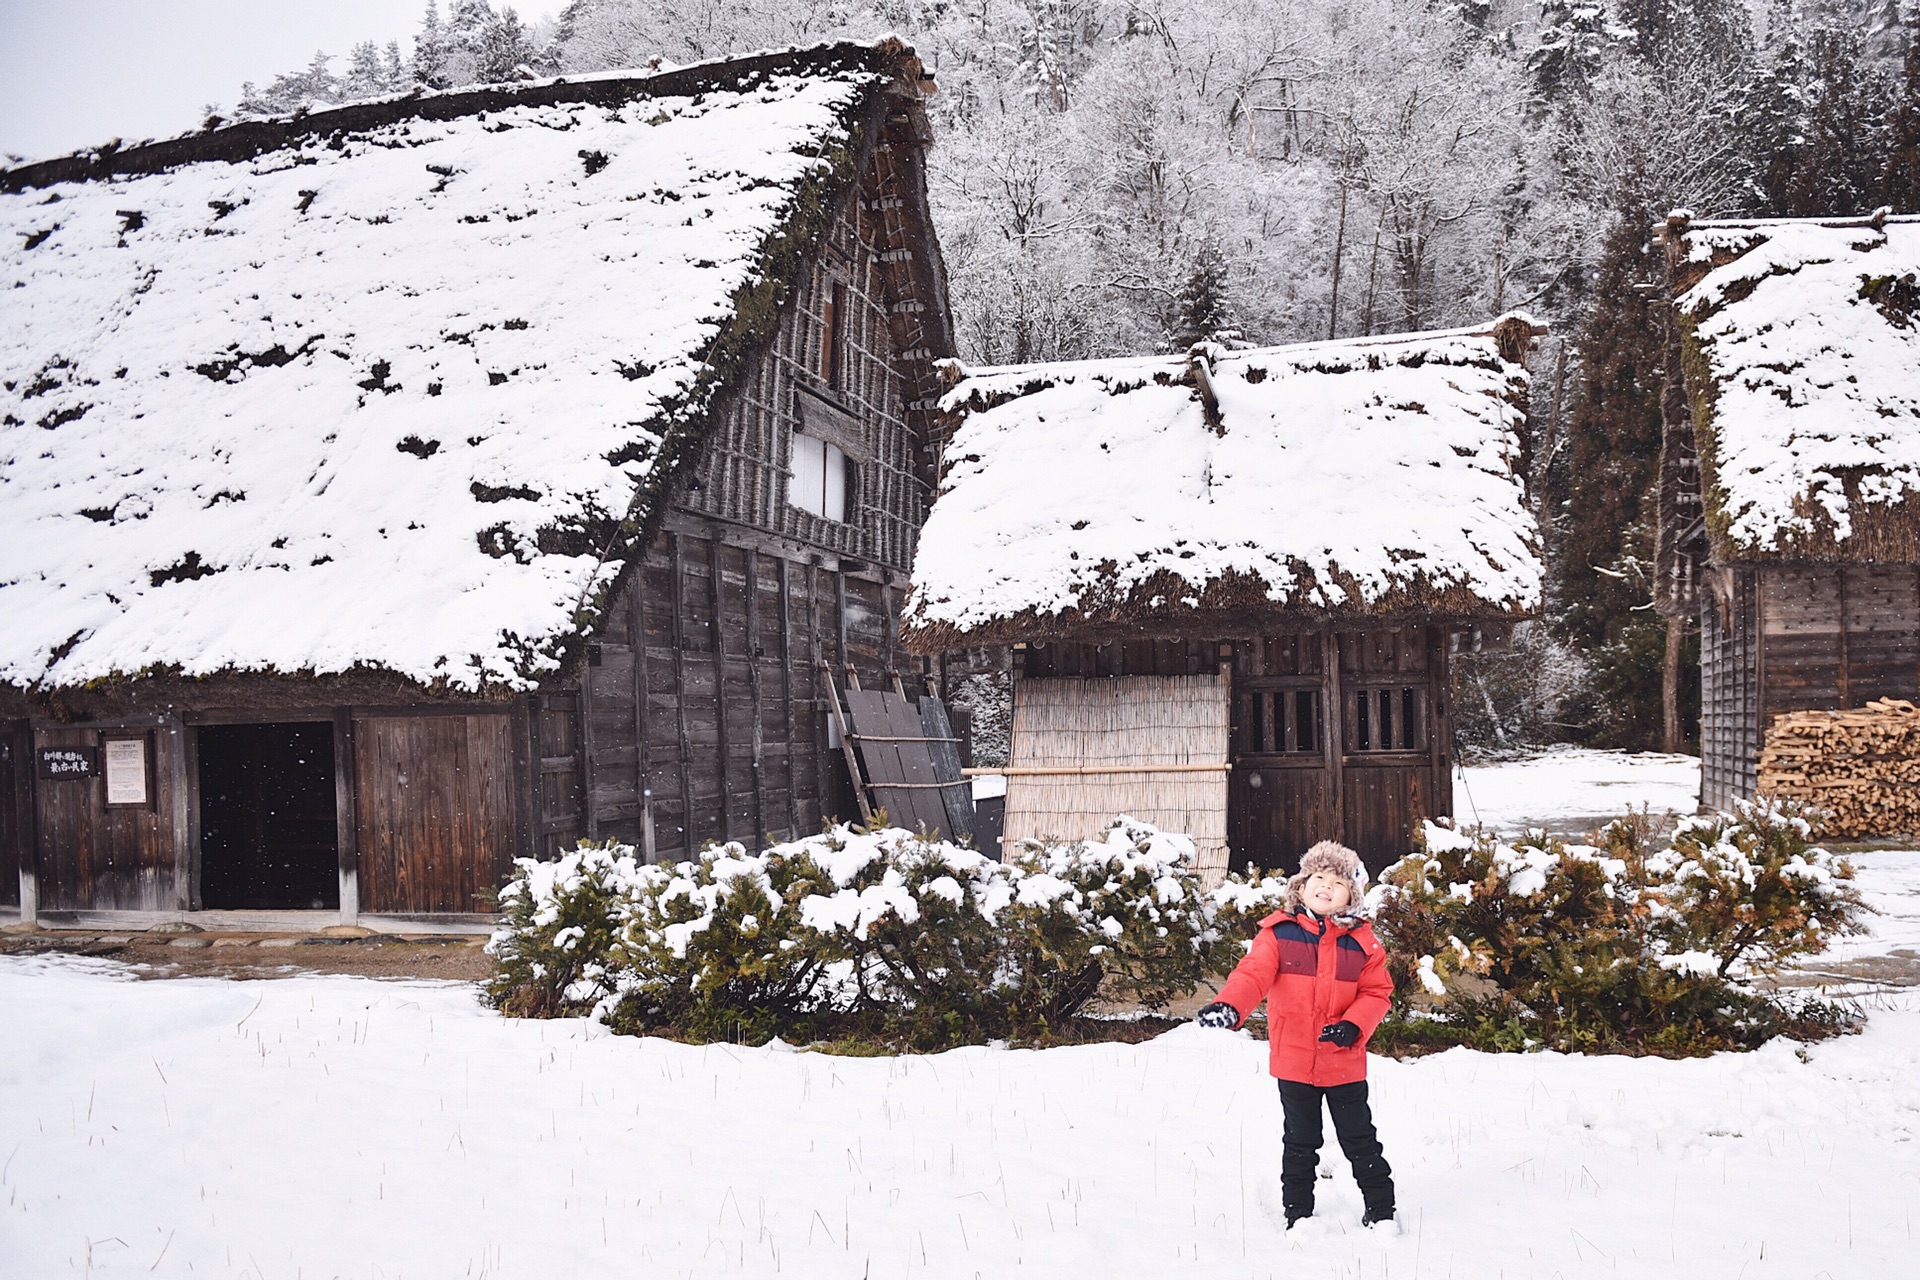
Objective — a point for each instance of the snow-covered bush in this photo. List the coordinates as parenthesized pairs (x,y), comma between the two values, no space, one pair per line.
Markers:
(880,934)
(1537,941)
(1744,892)
(559,922)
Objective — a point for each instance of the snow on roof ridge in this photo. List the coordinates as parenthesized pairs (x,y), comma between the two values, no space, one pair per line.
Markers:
(1283,350)
(300,123)
(1881,216)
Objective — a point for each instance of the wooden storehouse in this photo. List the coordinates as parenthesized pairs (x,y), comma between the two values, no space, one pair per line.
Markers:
(1233,580)
(397,489)
(1790,499)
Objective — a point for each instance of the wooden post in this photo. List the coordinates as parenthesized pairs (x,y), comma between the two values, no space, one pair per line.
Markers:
(1670,735)
(642,760)
(583,739)
(679,598)
(1845,674)
(1440,720)
(759,703)
(26,827)
(717,590)
(840,617)
(816,671)
(1336,716)
(346,816)
(786,697)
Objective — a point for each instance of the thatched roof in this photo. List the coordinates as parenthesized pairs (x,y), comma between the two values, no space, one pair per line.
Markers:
(1234,493)
(395,387)
(1802,358)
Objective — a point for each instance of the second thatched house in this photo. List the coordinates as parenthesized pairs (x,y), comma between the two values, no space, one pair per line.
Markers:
(1232,579)
(1790,503)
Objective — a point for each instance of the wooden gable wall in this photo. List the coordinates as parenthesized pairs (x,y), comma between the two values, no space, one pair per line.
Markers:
(702,711)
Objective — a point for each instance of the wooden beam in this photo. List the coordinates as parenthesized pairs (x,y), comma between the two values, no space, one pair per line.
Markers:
(346,816)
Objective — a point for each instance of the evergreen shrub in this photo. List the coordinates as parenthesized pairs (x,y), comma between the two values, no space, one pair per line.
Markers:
(1616,947)
(876,935)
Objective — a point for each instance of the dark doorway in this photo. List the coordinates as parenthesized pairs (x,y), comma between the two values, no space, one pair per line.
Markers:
(269,828)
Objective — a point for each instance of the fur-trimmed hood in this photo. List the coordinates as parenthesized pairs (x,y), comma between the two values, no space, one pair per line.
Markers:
(1332,856)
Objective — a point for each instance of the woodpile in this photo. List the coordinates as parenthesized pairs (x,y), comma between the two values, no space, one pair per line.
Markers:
(1861,767)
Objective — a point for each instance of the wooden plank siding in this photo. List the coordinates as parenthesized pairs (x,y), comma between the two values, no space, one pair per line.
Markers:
(435,807)
(730,735)
(91,857)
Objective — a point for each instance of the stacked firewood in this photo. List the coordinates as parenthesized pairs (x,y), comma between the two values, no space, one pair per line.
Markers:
(1861,767)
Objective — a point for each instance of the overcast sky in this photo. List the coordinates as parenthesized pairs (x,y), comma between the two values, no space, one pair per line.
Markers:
(74,73)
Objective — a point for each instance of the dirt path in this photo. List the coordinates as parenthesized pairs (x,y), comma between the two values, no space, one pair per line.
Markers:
(255,955)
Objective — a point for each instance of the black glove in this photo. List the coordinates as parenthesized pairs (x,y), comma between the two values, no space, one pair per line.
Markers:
(1344,1034)
(1218,1014)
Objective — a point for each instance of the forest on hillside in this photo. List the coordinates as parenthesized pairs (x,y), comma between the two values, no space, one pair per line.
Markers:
(1130,175)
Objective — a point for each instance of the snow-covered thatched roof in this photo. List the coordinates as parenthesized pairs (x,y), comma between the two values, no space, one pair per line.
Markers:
(1247,491)
(392,387)
(1803,367)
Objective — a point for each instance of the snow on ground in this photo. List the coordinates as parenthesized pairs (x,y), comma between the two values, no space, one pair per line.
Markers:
(343,1126)
(1571,790)
(347,1127)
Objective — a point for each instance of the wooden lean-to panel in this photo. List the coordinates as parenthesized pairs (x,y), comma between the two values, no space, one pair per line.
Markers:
(1065,728)
(436,811)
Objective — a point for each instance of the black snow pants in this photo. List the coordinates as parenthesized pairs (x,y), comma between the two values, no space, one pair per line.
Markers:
(1352,1124)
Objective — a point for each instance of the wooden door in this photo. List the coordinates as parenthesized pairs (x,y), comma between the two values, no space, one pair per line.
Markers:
(435,810)
(1340,737)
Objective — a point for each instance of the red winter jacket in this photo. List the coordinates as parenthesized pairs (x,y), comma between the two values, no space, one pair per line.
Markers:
(1312,972)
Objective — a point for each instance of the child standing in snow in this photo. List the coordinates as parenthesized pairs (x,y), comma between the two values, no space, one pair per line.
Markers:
(1323,975)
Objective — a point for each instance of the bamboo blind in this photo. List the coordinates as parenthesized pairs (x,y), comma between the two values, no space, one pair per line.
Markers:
(1089,728)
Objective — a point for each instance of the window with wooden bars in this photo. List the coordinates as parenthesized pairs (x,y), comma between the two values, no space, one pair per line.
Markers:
(1392,718)
(1281,722)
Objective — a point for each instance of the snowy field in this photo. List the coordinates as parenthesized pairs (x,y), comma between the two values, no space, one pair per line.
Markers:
(330,1126)
(1570,791)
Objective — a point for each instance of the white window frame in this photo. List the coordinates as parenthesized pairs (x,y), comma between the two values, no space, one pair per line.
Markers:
(817,481)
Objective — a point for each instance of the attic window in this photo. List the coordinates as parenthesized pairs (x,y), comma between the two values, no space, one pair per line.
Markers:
(819,484)
(833,320)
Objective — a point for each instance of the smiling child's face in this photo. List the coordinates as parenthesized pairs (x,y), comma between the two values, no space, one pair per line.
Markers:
(1326,894)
